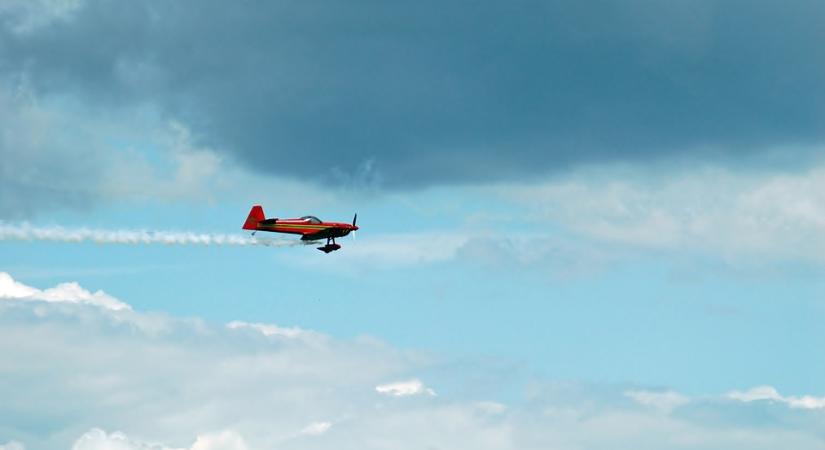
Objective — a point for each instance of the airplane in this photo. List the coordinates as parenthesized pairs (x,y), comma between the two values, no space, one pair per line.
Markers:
(310,228)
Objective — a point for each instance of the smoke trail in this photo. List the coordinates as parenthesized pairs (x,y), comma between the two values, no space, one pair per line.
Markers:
(27,232)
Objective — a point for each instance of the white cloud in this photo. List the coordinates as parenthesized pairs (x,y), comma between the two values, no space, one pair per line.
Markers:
(77,372)
(404,388)
(271,330)
(9,288)
(594,218)
(665,401)
(224,440)
(62,293)
(756,394)
(316,428)
(168,379)
(731,215)
(97,439)
(769,393)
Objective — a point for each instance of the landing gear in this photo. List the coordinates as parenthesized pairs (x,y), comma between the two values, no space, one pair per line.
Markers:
(329,247)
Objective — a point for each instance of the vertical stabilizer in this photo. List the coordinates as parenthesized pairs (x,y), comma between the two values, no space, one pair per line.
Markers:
(255,215)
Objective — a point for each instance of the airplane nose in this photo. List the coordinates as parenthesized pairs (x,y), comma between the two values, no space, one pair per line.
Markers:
(354,227)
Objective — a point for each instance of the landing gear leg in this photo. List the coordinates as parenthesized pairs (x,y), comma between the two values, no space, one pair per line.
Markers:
(330,247)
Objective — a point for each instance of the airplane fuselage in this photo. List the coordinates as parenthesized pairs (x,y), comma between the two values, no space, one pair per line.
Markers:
(308,231)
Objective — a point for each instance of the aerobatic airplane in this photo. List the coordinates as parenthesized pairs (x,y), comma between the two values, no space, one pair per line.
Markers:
(310,228)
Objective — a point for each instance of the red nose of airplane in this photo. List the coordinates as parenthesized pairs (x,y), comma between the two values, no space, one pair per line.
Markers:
(354,227)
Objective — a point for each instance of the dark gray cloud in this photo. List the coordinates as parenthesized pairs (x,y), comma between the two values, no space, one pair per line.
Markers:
(442,92)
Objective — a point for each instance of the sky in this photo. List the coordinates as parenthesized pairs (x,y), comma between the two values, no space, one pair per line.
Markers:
(583,225)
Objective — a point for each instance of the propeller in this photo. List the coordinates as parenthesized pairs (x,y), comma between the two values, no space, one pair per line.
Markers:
(354,219)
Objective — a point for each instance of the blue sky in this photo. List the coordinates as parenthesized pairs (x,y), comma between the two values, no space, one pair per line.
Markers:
(582,225)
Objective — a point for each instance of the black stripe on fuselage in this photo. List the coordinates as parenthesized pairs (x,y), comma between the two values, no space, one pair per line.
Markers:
(331,232)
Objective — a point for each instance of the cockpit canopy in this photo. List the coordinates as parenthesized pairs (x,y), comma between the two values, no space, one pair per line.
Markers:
(311,219)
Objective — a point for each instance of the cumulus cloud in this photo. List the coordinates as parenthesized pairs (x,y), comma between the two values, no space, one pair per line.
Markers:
(97,439)
(166,380)
(62,293)
(72,377)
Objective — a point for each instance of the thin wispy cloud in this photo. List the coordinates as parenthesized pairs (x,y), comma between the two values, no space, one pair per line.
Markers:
(770,394)
(761,216)
(404,388)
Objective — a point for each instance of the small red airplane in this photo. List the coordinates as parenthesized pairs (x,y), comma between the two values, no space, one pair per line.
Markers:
(310,228)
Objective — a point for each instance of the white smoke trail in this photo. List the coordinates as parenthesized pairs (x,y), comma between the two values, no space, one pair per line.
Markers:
(27,232)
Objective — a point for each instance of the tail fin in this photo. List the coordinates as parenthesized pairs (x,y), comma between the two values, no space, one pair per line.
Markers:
(255,215)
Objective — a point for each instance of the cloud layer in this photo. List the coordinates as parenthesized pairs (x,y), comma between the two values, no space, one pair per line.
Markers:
(435,92)
(88,377)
